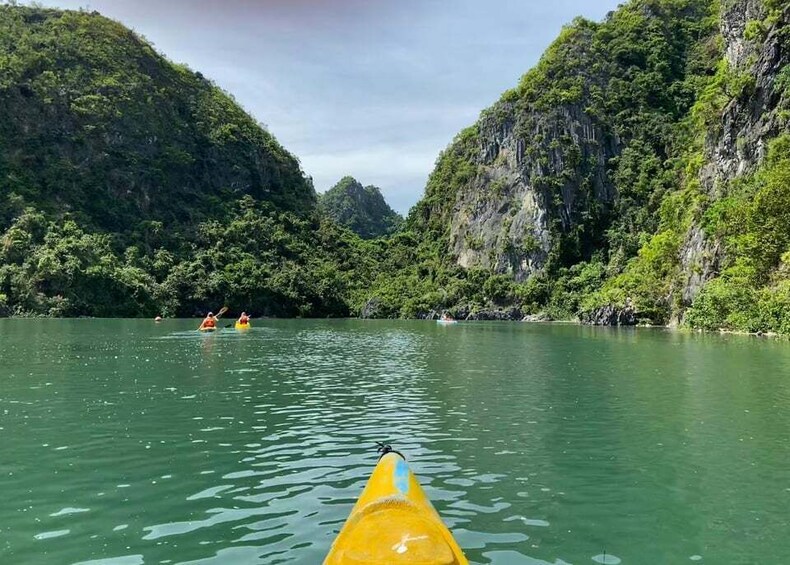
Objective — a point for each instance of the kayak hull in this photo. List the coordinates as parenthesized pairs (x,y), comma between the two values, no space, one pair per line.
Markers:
(394,522)
(446,322)
(207,330)
(242,326)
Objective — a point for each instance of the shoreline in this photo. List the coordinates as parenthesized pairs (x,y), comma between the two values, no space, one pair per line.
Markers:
(672,327)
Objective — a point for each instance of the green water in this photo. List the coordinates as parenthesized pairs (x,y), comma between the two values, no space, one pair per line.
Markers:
(129,442)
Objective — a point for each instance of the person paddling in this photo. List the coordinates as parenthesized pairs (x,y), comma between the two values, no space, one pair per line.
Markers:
(243,320)
(210,321)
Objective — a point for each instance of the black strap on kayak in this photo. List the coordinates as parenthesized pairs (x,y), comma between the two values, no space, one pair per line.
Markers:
(384,448)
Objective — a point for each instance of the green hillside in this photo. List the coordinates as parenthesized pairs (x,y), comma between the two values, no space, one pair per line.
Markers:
(130,185)
(636,174)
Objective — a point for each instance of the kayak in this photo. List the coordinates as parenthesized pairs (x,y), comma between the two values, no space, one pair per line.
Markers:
(207,329)
(446,321)
(394,522)
(242,326)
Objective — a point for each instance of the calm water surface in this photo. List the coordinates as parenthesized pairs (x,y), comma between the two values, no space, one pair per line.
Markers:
(125,442)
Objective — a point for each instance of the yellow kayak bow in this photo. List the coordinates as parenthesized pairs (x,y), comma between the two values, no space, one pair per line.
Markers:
(394,522)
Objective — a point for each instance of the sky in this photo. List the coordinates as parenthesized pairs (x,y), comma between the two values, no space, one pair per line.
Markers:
(375,89)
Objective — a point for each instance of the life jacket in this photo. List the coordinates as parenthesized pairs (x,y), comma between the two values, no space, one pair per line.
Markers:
(244,320)
(209,323)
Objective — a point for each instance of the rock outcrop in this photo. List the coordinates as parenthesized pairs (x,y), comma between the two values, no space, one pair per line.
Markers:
(502,220)
(536,182)
(610,316)
(751,119)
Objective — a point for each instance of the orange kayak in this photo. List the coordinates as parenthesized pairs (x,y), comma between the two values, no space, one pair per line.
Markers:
(394,522)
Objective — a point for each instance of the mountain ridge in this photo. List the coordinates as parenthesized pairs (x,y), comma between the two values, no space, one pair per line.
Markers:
(130,185)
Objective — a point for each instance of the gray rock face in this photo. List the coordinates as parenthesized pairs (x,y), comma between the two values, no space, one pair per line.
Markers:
(748,122)
(610,316)
(700,258)
(537,169)
(737,14)
(534,318)
(531,167)
(512,314)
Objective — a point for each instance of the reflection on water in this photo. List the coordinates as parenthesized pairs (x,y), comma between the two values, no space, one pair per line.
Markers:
(126,442)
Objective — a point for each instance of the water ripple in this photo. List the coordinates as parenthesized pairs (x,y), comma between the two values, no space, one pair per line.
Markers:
(251,448)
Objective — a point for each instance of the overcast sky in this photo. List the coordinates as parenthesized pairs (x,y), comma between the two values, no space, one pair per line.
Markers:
(369,88)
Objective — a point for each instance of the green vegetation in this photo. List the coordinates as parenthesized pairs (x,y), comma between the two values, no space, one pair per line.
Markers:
(654,77)
(272,263)
(753,221)
(133,186)
(94,122)
(638,75)
(361,209)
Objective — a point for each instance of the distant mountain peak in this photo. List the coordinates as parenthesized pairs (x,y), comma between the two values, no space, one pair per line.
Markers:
(362,209)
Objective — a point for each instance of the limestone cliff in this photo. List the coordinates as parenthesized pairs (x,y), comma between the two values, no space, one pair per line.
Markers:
(540,168)
(599,182)
(523,188)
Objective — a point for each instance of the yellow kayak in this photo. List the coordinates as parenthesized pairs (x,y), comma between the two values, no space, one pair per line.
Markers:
(394,522)
(242,326)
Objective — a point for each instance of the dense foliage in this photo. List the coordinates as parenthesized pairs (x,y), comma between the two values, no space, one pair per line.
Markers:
(132,186)
(93,121)
(753,221)
(263,260)
(362,209)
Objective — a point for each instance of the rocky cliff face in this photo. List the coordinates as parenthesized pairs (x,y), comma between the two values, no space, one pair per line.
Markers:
(535,170)
(541,182)
(739,142)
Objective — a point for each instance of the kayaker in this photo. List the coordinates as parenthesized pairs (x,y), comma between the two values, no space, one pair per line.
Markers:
(158,319)
(446,318)
(209,322)
(244,319)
